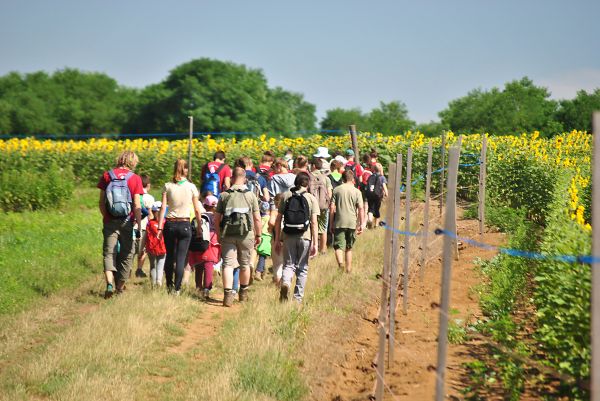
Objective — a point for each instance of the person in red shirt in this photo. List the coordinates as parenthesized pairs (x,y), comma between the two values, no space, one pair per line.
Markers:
(118,230)
(264,168)
(351,164)
(223,172)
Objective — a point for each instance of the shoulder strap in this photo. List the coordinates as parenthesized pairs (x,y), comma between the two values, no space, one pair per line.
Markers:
(128,176)
(112,175)
(221,167)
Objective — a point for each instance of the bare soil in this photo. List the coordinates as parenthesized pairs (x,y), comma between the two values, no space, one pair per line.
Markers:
(411,376)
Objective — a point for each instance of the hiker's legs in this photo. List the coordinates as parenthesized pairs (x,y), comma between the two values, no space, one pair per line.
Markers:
(348,260)
(209,268)
(160,269)
(142,251)
(260,266)
(125,254)
(339,245)
(291,259)
(229,254)
(111,237)
(198,275)
(152,260)
(303,250)
(277,259)
(171,247)
(245,250)
(376,212)
(323,221)
(183,233)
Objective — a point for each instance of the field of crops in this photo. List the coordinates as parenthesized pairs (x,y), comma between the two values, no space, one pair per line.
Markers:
(538,191)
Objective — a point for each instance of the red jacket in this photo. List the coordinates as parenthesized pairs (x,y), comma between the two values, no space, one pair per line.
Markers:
(154,246)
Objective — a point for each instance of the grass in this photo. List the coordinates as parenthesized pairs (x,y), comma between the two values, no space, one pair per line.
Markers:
(72,345)
(44,252)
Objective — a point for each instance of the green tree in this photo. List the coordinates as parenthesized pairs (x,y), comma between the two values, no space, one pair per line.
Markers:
(390,118)
(289,112)
(340,119)
(520,107)
(577,113)
(432,128)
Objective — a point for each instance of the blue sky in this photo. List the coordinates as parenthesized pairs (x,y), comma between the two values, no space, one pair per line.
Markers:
(337,53)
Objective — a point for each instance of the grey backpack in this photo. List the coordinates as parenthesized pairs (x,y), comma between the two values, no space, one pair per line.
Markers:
(118,196)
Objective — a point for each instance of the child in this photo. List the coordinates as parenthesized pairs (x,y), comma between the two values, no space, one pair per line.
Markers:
(155,247)
(203,262)
(147,201)
(264,248)
(375,191)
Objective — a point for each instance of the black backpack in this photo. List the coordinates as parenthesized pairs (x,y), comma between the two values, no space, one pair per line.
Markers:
(374,188)
(335,183)
(296,214)
(353,169)
(200,244)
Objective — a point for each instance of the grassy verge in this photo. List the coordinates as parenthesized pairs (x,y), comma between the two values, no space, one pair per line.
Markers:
(76,346)
(43,252)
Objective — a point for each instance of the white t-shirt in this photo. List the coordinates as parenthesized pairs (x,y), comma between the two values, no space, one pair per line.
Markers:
(179,198)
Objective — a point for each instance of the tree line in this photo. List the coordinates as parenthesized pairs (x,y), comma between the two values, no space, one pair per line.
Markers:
(228,97)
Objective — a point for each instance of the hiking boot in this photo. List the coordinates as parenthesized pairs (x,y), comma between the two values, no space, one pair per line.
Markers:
(140,273)
(228,299)
(243,294)
(283,293)
(258,276)
(109,291)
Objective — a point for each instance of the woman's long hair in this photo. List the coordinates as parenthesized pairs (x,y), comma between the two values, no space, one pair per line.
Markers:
(180,170)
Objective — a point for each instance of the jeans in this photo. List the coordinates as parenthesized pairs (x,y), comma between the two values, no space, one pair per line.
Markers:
(157,268)
(236,279)
(117,248)
(295,261)
(178,235)
(260,266)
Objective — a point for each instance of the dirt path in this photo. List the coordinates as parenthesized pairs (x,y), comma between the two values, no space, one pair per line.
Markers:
(412,375)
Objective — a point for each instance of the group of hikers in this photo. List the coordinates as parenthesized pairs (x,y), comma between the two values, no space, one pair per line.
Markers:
(288,209)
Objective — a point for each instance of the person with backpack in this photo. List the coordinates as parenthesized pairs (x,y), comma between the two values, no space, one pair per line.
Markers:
(320,187)
(375,191)
(353,166)
(119,203)
(216,176)
(238,218)
(348,216)
(296,230)
(155,247)
(205,250)
(181,197)
(335,177)
(266,162)
(255,182)
(282,180)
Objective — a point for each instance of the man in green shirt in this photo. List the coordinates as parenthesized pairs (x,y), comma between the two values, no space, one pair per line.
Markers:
(347,214)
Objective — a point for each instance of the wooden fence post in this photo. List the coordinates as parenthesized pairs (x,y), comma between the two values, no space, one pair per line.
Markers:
(395,200)
(189,176)
(446,274)
(459,146)
(425,239)
(443,149)
(407,229)
(354,139)
(482,178)
(383,309)
(595,293)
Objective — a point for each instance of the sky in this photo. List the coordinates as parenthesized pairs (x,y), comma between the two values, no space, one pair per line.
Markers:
(337,53)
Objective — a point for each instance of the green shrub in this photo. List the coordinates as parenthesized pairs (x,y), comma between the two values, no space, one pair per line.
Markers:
(35,189)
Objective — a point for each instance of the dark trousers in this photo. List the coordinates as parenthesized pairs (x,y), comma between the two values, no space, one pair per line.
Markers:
(178,235)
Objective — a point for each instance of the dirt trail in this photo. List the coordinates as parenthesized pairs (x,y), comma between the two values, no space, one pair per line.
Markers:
(412,375)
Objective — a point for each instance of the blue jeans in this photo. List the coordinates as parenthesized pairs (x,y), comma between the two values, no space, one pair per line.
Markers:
(236,279)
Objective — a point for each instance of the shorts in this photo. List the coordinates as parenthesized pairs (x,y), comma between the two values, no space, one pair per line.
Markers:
(344,238)
(323,221)
(237,252)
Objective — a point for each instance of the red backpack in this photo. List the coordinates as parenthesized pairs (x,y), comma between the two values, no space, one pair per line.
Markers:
(154,246)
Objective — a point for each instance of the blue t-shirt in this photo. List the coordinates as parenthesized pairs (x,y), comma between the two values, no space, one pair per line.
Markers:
(261,180)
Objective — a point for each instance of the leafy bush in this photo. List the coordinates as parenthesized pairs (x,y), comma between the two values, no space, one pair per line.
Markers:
(35,189)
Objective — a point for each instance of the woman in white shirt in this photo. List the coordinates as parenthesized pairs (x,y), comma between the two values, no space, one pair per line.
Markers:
(180,195)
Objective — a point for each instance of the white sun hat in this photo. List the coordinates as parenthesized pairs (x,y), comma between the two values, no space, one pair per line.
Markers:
(322,152)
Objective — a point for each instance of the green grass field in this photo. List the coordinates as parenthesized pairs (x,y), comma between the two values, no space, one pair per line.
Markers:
(44,252)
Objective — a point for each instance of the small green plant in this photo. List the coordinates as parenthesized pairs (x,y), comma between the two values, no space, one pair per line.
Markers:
(457,333)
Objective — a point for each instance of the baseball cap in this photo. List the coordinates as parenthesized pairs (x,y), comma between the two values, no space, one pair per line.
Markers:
(156,206)
(210,200)
(349,152)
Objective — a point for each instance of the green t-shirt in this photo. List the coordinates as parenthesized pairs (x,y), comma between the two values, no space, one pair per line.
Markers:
(347,199)
(313,205)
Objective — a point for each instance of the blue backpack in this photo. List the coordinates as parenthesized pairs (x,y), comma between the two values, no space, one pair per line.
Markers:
(118,196)
(212,182)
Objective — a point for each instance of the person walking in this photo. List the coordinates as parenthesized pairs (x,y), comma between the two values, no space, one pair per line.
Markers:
(180,196)
(238,218)
(119,203)
(147,201)
(297,213)
(320,187)
(216,175)
(347,214)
